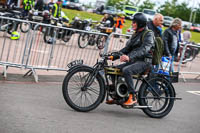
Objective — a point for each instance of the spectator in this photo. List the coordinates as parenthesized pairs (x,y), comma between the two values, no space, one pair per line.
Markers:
(57,7)
(28,5)
(156,25)
(186,35)
(39,5)
(119,23)
(171,40)
(108,17)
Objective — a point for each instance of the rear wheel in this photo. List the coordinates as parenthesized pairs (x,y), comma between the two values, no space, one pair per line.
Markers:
(48,35)
(78,95)
(67,35)
(83,40)
(161,102)
(101,40)
(25,27)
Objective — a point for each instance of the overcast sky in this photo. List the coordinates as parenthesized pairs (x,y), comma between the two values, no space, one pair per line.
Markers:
(158,2)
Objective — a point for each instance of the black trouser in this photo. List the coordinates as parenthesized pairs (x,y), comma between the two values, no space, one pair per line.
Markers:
(128,69)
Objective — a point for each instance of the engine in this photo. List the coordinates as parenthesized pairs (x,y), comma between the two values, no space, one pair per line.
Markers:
(121,87)
(119,90)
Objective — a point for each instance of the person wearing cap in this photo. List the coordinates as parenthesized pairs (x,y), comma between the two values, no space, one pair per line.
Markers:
(57,7)
(136,56)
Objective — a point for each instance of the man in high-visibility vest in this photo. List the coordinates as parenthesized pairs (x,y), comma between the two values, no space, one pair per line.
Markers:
(57,7)
(28,5)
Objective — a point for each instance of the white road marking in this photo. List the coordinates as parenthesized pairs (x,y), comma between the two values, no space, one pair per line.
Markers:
(194,92)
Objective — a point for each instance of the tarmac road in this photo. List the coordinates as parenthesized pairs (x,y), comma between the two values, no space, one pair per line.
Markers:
(27,107)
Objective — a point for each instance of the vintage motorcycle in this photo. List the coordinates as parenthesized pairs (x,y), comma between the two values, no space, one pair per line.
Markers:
(35,16)
(85,87)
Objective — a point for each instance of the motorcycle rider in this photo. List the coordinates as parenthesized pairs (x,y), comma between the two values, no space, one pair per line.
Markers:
(136,55)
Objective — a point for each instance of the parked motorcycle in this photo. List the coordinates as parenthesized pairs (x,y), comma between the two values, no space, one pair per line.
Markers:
(59,33)
(35,16)
(9,25)
(86,39)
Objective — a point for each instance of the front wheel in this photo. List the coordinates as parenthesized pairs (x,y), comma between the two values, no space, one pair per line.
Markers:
(49,35)
(101,40)
(83,40)
(25,27)
(159,97)
(82,90)
(67,35)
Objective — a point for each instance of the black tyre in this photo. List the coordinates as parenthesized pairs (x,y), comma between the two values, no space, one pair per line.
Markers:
(162,104)
(83,40)
(25,27)
(10,28)
(48,35)
(81,98)
(67,35)
(101,40)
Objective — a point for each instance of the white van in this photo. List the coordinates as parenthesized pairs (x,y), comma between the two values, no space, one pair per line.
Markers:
(149,13)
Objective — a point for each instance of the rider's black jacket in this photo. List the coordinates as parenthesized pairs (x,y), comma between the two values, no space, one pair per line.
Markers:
(139,49)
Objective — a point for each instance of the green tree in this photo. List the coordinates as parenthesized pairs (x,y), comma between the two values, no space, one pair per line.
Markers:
(182,11)
(133,3)
(119,4)
(168,8)
(147,4)
(115,3)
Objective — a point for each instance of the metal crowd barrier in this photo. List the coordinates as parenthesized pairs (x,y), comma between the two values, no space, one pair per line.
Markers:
(11,51)
(183,69)
(32,52)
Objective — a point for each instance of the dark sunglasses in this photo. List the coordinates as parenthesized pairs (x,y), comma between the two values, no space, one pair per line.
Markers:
(133,22)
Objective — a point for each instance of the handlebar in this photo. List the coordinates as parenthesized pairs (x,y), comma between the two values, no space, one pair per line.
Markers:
(107,55)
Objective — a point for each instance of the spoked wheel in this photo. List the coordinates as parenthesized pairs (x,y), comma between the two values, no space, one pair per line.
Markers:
(83,40)
(48,35)
(101,40)
(160,99)
(83,91)
(67,35)
(25,27)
